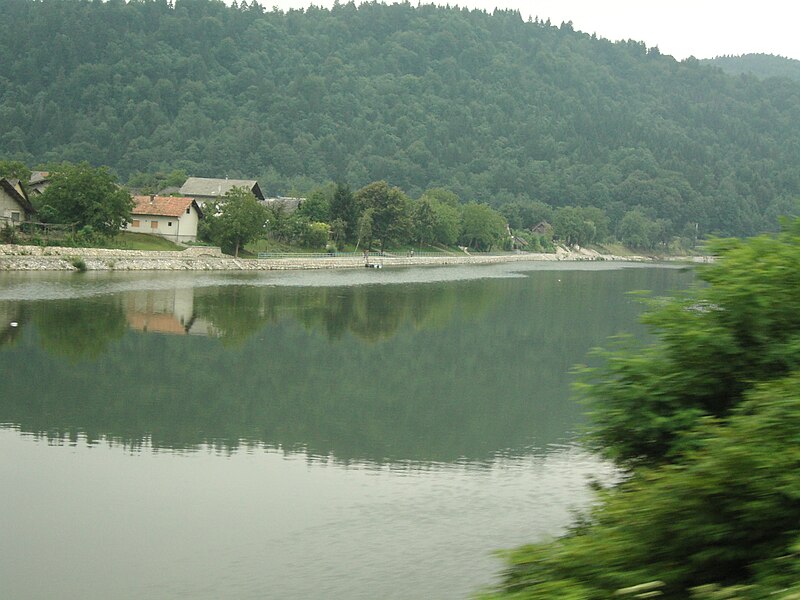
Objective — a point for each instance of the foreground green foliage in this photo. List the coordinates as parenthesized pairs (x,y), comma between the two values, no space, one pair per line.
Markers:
(727,514)
(498,110)
(706,422)
(714,345)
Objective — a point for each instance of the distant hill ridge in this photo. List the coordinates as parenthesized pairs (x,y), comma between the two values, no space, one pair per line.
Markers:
(495,108)
(760,65)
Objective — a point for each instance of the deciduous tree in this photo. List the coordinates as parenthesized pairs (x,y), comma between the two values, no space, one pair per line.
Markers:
(86,197)
(241,219)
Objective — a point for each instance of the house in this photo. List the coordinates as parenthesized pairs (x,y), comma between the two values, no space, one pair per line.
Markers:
(170,217)
(204,190)
(39,182)
(542,228)
(14,204)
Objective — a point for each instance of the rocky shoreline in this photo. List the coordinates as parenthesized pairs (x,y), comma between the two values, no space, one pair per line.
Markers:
(197,258)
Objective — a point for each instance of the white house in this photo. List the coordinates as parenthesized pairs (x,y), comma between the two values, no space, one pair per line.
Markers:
(14,204)
(167,216)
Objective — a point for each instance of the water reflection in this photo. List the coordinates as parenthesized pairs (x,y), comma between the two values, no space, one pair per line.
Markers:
(415,373)
(10,316)
(102,523)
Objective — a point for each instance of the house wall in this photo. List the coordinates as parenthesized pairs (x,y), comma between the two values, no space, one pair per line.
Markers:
(178,229)
(8,206)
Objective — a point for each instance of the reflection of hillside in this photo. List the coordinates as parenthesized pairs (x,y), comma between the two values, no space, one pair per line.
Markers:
(450,386)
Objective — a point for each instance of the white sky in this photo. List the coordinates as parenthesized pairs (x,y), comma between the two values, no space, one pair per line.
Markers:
(682,28)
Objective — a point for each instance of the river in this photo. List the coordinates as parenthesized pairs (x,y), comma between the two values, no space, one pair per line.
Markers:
(331,435)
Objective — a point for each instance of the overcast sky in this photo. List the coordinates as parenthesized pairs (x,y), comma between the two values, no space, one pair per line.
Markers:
(682,28)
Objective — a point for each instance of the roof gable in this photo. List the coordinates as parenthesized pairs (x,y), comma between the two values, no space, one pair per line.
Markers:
(13,189)
(38,177)
(163,206)
(217,188)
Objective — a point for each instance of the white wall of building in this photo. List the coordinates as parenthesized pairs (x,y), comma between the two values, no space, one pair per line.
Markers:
(9,208)
(178,229)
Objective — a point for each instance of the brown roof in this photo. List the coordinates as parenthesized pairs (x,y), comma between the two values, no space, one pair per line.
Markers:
(163,206)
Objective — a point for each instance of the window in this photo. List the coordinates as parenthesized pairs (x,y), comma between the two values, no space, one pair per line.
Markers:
(153,224)
(169,223)
(135,223)
(14,216)
(188,210)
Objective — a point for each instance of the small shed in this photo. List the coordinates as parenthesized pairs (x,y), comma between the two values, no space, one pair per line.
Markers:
(542,228)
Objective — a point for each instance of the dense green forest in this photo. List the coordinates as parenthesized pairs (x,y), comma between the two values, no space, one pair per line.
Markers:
(496,109)
(760,65)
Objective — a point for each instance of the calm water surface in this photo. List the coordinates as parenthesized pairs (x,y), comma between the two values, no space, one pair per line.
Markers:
(294,435)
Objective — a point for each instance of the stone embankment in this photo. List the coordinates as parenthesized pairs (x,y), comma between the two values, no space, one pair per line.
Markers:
(197,258)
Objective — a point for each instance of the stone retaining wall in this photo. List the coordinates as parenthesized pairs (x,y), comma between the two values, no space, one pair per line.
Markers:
(45,251)
(198,258)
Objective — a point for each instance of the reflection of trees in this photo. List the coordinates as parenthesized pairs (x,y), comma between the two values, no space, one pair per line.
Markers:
(10,312)
(443,384)
(374,313)
(236,312)
(79,328)
(371,313)
(380,373)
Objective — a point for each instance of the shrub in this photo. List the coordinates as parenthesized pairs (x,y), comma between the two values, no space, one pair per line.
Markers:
(8,235)
(78,263)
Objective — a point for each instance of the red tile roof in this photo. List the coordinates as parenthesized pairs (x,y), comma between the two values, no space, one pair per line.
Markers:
(161,206)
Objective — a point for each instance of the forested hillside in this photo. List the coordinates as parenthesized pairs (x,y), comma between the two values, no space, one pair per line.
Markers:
(497,109)
(760,65)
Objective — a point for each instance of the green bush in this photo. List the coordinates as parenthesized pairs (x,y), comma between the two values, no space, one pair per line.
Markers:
(8,234)
(704,422)
(78,263)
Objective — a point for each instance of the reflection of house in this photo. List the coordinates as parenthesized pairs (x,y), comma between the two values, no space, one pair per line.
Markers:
(205,190)
(14,204)
(289,205)
(38,182)
(165,311)
(169,217)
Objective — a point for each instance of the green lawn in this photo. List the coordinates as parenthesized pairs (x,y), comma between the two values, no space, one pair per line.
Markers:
(127,240)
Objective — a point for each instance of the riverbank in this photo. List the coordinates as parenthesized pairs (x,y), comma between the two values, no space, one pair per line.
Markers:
(198,258)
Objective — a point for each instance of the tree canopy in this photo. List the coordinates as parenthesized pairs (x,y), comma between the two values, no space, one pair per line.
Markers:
(87,197)
(236,220)
(760,65)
